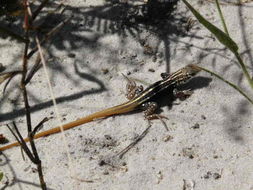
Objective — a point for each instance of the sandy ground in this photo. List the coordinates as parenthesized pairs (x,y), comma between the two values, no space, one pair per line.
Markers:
(209,144)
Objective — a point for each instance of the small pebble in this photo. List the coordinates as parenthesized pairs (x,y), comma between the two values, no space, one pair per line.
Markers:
(216,176)
(203,117)
(159,177)
(128,73)
(102,163)
(72,55)
(196,126)
(167,138)
(104,71)
(134,55)
(188,152)
(189,185)
(207,175)
(151,70)
(108,137)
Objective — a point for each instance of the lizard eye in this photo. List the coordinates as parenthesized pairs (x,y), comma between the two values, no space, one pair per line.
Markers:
(165,75)
(192,70)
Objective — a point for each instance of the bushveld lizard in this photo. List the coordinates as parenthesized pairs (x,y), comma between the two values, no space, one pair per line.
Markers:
(139,98)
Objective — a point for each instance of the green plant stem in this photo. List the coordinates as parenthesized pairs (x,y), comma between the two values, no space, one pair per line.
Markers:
(229,83)
(1,175)
(221,16)
(222,37)
(244,69)
(219,34)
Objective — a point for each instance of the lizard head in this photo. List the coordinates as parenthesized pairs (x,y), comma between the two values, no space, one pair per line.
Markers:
(186,73)
(190,70)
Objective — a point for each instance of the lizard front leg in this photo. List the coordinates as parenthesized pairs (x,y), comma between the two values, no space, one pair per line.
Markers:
(132,90)
(165,75)
(149,109)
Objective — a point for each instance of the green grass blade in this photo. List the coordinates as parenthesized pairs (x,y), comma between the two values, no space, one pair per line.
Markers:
(220,35)
(244,69)
(223,38)
(229,83)
(221,16)
(1,175)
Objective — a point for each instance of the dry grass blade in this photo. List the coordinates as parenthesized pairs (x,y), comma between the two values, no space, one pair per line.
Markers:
(21,141)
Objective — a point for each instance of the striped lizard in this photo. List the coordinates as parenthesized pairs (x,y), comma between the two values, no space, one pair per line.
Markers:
(138,98)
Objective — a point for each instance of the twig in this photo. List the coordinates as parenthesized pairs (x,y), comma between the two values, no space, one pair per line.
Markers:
(139,138)
(37,11)
(35,156)
(10,76)
(39,126)
(33,70)
(21,141)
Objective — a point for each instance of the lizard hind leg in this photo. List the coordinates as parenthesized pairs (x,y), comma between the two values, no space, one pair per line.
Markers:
(149,109)
(183,94)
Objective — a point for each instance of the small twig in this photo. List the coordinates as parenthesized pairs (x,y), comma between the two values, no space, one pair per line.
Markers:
(25,60)
(37,11)
(34,155)
(83,180)
(6,84)
(139,138)
(22,153)
(10,76)
(33,70)
(38,127)
(21,141)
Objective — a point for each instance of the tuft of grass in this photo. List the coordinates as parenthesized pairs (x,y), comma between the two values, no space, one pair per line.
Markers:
(227,41)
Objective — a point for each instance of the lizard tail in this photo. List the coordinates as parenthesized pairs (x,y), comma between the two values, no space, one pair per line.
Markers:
(98,115)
